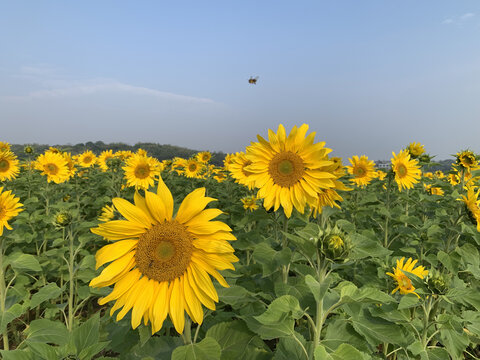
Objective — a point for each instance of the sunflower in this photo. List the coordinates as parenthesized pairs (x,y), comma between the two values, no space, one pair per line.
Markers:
(140,171)
(238,171)
(473,204)
(439,174)
(70,164)
(467,160)
(178,162)
(103,158)
(108,212)
(4,146)
(28,149)
(141,152)
(229,159)
(406,171)
(453,179)
(404,284)
(9,208)
(415,149)
(326,197)
(8,165)
(428,175)
(362,169)
(54,166)
(220,176)
(289,170)
(380,175)
(249,203)
(86,159)
(161,264)
(193,168)
(123,154)
(203,156)
(433,190)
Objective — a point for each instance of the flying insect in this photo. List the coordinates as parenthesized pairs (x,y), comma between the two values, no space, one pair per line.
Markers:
(253,80)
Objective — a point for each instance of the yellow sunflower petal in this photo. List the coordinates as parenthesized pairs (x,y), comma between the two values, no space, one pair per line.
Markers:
(177,306)
(113,251)
(132,213)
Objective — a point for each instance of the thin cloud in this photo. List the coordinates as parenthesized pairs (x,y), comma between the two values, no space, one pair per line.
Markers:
(447,21)
(467,16)
(105,87)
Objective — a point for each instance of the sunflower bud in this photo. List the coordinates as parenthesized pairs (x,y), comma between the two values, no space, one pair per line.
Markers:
(62,219)
(335,244)
(437,282)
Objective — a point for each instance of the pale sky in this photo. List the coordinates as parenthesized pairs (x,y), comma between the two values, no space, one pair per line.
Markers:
(368,76)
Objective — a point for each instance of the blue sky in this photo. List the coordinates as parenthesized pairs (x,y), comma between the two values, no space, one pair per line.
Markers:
(368,76)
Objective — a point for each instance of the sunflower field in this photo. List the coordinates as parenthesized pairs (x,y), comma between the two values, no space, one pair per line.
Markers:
(283,253)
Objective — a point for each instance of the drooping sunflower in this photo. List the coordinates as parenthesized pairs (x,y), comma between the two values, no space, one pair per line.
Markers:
(103,159)
(204,156)
(407,172)
(415,149)
(9,168)
(472,203)
(404,284)
(86,159)
(362,169)
(70,164)
(249,203)
(289,170)
(238,170)
(162,264)
(439,174)
(433,190)
(140,171)
(326,197)
(220,176)
(54,166)
(123,154)
(467,160)
(193,168)
(9,208)
(380,175)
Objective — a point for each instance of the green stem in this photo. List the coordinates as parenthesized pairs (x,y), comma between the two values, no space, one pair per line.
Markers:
(187,332)
(71,276)
(385,240)
(285,268)
(3,296)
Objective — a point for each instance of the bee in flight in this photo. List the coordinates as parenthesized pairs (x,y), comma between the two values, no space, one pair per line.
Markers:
(253,80)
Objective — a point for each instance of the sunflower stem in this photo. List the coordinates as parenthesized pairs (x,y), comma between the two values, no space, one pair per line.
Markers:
(285,268)
(385,240)
(187,331)
(3,296)
(71,275)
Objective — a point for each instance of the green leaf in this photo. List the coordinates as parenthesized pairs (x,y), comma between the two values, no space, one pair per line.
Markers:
(24,262)
(145,334)
(265,255)
(365,247)
(278,320)
(47,292)
(16,355)
(207,349)
(9,315)
(408,301)
(438,354)
(43,351)
(318,290)
(235,295)
(339,332)
(236,340)
(47,331)
(86,336)
(321,353)
(290,349)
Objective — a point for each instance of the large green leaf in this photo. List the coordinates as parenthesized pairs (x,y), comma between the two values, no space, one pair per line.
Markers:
(47,292)
(207,349)
(24,262)
(291,348)
(343,352)
(9,315)
(236,340)
(17,355)
(365,247)
(47,331)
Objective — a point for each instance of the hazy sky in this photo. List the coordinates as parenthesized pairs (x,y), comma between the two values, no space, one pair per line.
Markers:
(368,76)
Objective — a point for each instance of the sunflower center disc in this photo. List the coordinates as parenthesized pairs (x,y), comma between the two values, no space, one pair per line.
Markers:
(192,167)
(404,282)
(467,160)
(401,170)
(52,168)
(142,171)
(87,159)
(359,171)
(164,251)
(286,169)
(4,165)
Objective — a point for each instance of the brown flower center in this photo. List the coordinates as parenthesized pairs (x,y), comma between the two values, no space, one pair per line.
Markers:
(164,251)
(192,167)
(286,169)
(4,165)
(404,283)
(51,169)
(142,171)
(401,170)
(359,171)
